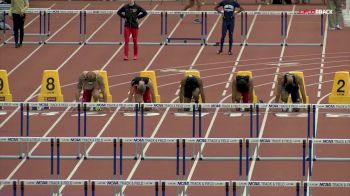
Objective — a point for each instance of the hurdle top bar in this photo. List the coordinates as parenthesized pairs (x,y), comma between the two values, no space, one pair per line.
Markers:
(7,182)
(276,140)
(310,12)
(328,184)
(330,141)
(26,139)
(43,182)
(53,182)
(125,182)
(194,183)
(267,183)
(187,140)
(174,140)
(173,105)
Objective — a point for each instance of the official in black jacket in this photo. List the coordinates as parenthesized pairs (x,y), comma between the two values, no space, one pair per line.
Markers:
(131,13)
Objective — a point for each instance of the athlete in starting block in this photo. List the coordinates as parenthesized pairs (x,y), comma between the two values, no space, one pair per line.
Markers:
(191,88)
(242,89)
(142,90)
(290,84)
(91,83)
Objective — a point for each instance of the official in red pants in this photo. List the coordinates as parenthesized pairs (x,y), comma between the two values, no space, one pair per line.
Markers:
(131,13)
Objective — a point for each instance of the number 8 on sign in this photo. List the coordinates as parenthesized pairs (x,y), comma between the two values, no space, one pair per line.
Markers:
(50,87)
(50,84)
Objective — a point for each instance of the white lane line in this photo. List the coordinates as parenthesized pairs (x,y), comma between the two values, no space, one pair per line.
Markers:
(75,169)
(240,53)
(41,45)
(161,48)
(217,110)
(319,93)
(281,55)
(53,126)
(251,169)
(323,57)
(38,88)
(211,69)
(133,170)
(36,145)
(224,92)
(312,153)
(29,23)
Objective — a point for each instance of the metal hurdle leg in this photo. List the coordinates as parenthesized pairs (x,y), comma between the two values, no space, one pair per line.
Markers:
(136,130)
(322,29)
(51,164)
(177,164)
(142,131)
(27,132)
(4,30)
(242,29)
(85,132)
(121,163)
(21,151)
(58,164)
(78,125)
(193,130)
(80,26)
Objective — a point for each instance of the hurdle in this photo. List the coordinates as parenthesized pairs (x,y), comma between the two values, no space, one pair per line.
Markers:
(42,24)
(24,151)
(259,141)
(121,183)
(53,183)
(323,184)
(158,184)
(12,183)
(165,40)
(198,183)
(305,107)
(248,184)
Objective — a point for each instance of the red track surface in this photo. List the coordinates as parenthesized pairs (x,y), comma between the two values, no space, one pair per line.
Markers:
(26,64)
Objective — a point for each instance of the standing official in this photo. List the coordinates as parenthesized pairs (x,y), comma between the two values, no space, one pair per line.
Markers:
(131,13)
(18,14)
(228,22)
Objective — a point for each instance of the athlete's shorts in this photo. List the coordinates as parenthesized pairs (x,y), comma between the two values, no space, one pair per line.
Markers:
(294,94)
(188,93)
(245,97)
(147,97)
(87,94)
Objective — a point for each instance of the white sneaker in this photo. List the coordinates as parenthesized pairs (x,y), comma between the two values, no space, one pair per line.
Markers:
(338,27)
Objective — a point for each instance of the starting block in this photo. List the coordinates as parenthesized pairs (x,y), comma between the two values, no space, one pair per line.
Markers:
(249,73)
(341,88)
(5,94)
(300,74)
(152,75)
(196,73)
(50,87)
(104,75)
